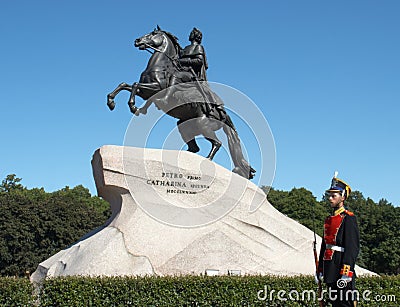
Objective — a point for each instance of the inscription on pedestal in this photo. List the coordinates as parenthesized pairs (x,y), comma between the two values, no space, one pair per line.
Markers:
(178,183)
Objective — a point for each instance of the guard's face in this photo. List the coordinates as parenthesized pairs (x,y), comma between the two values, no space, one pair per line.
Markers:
(335,199)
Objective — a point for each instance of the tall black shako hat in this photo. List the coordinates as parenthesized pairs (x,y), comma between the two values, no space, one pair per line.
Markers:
(339,186)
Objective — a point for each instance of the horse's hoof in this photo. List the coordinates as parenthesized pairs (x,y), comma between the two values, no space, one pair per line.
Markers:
(137,112)
(133,109)
(111,104)
(193,149)
(143,111)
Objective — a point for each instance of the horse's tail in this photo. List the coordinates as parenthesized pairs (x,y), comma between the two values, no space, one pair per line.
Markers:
(242,167)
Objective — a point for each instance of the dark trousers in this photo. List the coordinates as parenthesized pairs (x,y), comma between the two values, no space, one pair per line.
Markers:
(342,297)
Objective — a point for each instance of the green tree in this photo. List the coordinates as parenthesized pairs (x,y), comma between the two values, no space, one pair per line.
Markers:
(11,182)
(35,225)
(300,205)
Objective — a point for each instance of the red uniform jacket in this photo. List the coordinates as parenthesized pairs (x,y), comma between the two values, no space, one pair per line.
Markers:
(341,231)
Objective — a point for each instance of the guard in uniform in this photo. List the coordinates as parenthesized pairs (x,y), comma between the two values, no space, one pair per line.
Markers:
(340,247)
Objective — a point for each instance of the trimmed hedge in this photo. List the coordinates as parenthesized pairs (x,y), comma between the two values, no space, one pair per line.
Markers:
(187,291)
(15,292)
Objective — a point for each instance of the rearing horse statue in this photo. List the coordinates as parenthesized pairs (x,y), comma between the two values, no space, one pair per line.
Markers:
(188,102)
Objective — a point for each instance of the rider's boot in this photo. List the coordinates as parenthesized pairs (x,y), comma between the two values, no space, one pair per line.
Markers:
(143,110)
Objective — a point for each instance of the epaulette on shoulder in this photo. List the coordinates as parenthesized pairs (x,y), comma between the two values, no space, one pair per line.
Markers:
(349,212)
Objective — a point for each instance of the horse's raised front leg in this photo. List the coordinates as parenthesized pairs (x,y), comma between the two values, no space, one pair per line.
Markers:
(131,102)
(111,96)
(145,91)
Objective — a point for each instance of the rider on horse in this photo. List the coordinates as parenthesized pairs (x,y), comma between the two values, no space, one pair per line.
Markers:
(194,56)
(192,65)
(198,109)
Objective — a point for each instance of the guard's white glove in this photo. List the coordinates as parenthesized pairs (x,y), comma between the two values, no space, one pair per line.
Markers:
(346,278)
(319,277)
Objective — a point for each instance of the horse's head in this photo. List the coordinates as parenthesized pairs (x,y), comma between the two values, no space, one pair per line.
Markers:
(155,39)
(158,40)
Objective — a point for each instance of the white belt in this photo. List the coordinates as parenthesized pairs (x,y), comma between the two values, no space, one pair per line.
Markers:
(335,248)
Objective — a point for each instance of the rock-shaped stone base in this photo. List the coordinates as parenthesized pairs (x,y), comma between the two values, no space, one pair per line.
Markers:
(175,212)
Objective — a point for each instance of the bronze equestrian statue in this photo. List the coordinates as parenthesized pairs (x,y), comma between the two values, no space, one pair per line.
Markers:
(175,81)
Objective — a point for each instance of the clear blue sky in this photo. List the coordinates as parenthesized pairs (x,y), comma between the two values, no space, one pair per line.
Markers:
(326,75)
